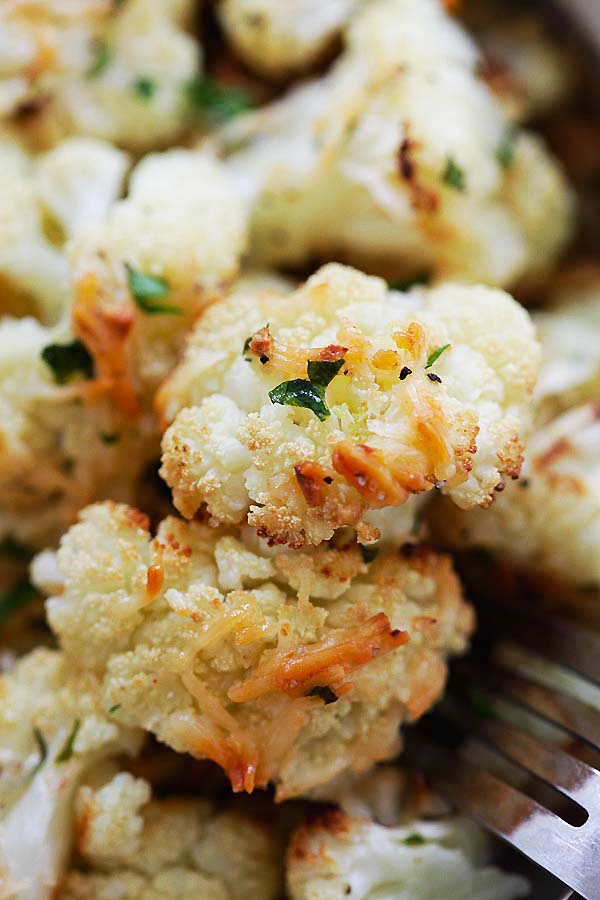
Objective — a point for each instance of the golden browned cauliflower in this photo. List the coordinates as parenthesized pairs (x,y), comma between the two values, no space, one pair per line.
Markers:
(142,277)
(303,413)
(400,159)
(129,847)
(335,855)
(63,443)
(45,200)
(118,71)
(54,731)
(280,667)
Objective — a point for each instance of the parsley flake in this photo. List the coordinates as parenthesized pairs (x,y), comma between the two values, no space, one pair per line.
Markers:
(308,393)
(216,102)
(454,176)
(113,709)
(103,57)
(68,360)
(405,284)
(414,840)
(505,151)
(42,747)
(435,355)
(17,597)
(109,438)
(67,751)
(146,290)
(145,88)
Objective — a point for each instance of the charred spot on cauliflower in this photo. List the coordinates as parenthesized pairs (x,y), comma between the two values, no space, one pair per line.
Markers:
(217,648)
(308,424)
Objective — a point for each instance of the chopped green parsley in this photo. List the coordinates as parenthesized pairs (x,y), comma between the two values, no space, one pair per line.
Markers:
(216,102)
(145,88)
(43,749)
(435,356)
(67,751)
(101,61)
(454,176)
(310,393)
(148,290)
(414,840)
(68,360)
(505,152)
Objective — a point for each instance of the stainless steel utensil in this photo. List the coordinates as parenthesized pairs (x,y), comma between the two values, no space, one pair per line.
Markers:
(544,686)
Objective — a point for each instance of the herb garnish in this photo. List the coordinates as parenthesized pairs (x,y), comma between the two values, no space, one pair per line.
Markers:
(308,393)
(454,176)
(405,284)
(324,692)
(414,840)
(215,101)
(109,438)
(145,88)
(505,152)
(147,289)
(67,751)
(42,747)
(101,61)
(16,598)
(435,355)
(67,360)
(113,709)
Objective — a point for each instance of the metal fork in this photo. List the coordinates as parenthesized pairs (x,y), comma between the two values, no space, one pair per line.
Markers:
(571,853)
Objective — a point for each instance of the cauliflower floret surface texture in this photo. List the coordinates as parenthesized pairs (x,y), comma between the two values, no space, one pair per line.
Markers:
(117,71)
(255,439)
(337,855)
(280,668)
(400,159)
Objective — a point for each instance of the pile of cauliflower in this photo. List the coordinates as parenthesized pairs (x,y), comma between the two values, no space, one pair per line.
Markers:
(260,379)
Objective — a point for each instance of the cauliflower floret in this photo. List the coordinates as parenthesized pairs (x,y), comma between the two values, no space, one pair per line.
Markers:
(45,200)
(392,422)
(141,278)
(549,521)
(174,849)
(281,668)
(337,855)
(54,728)
(568,330)
(400,159)
(62,445)
(108,70)
(277,39)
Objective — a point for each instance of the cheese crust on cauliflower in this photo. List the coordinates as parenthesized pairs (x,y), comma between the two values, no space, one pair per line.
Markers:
(335,855)
(393,422)
(54,728)
(281,668)
(400,159)
(45,201)
(94,67)
(129,847)
(63,445)
(182,227)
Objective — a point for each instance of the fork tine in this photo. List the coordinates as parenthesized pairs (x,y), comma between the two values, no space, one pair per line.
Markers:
(576,717)
(572,777)
(530,828)
(561,641)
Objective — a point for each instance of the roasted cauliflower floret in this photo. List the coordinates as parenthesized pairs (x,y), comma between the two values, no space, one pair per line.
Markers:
(335,855)
(405,392)
(549,521)
(174,849)
(54,729)
(63,445)
(280,668)
(45,200)
(141,279)
(277,39)
(400,159)
(568,331)
(114,71)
